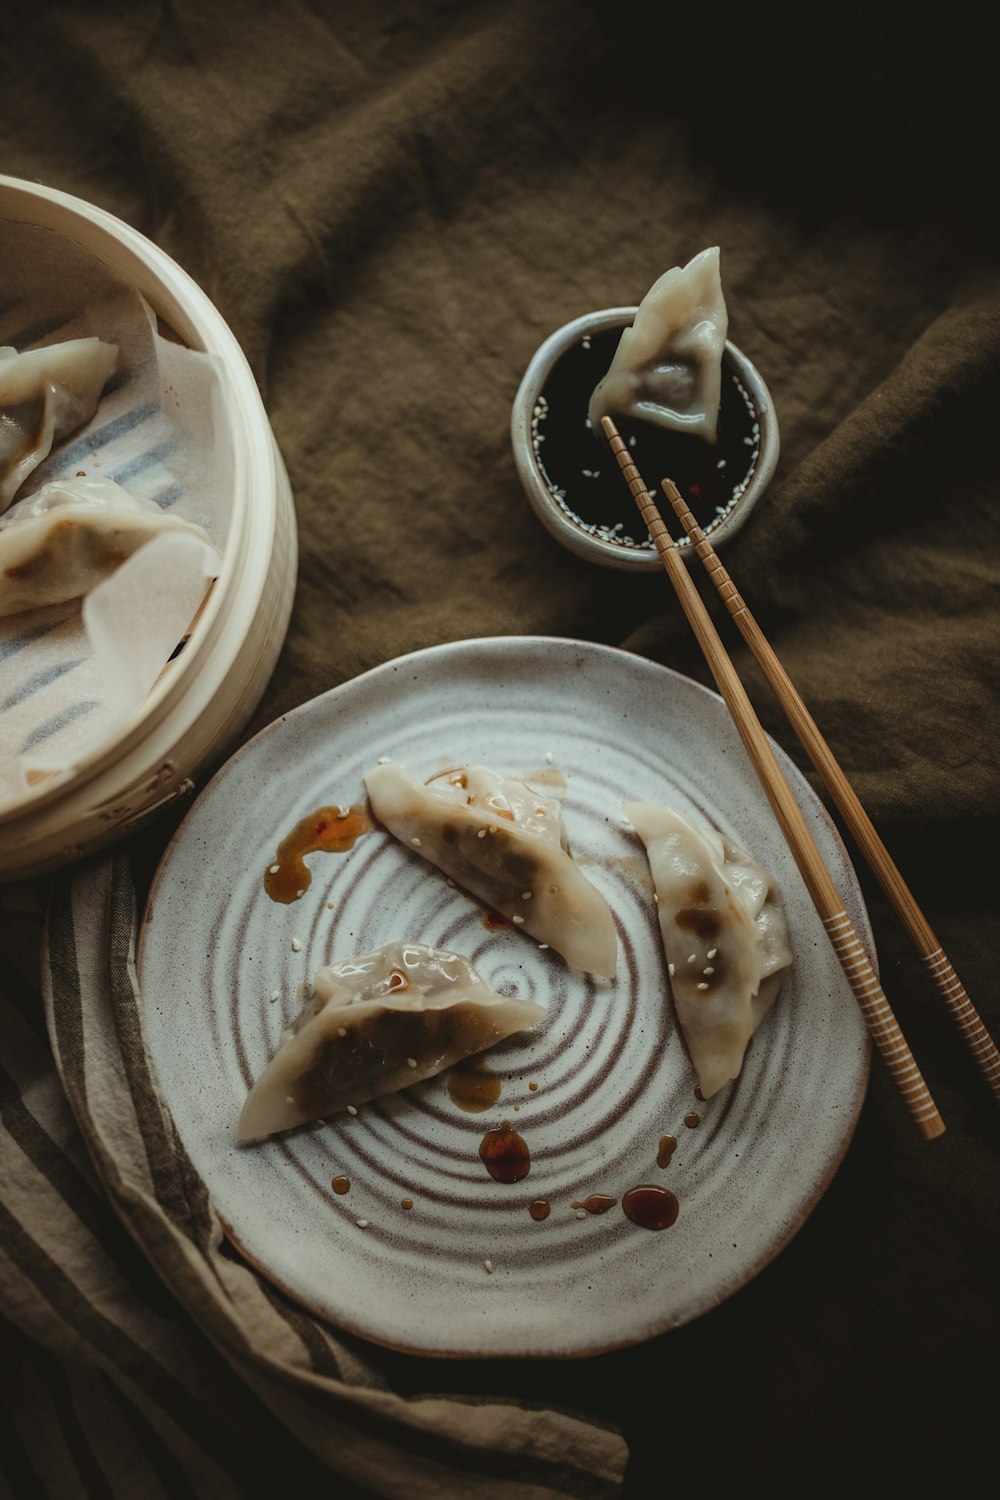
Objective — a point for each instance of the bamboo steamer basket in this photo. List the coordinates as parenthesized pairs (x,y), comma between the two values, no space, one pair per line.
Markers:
(202,699)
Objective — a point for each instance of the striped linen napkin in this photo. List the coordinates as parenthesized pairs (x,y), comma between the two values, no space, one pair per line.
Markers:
(142,1356)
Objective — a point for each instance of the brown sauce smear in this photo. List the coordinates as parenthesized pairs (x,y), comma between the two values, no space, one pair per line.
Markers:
(701,920)
(597,1203)
(341,1184)
(539,1210)
(505,1154)
(650,1207)
(668,1145)
(331,830)
(474,1087)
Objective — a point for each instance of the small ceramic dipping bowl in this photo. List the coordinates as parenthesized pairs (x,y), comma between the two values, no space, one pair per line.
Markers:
(572,480)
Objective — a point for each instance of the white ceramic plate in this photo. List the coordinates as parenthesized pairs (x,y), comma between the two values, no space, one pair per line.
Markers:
(611,1071)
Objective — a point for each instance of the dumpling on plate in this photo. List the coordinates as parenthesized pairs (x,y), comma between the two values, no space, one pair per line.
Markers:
(45,394)
(504,842)
(63,540)
(724,935)
(667,368)
(371,1025)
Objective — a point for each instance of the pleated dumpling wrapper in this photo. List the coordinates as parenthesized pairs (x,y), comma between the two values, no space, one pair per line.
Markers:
(45,394)
(667,368)
(62,541)
(371,1025)
(504,842)
(724,936)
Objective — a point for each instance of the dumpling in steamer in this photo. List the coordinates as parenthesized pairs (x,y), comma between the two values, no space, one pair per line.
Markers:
(45,394)
(724,935)
(364,1024)
(504,842)
(63,540)
(667,368)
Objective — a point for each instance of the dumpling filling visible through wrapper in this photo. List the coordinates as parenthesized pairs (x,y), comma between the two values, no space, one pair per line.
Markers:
(724,934)
(667,368)
(504,842)
(372,1025)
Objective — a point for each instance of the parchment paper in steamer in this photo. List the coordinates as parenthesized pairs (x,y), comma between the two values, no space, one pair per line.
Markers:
(159,431)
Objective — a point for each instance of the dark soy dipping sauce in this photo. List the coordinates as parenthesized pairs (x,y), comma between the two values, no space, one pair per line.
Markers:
(505,1154)
(539,1210)
(333,830)
(668,1145)
(597,1203)
(474,1087)
(570,447)
(650,1207)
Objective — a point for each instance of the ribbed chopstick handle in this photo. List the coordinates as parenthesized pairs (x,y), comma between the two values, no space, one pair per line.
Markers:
(882,1024)
(965,1015)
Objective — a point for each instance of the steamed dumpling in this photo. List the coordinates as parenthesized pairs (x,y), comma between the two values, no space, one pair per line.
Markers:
(363,1025)
(503,841)
(63,540)
(724,935)
(667,368)
(45,394)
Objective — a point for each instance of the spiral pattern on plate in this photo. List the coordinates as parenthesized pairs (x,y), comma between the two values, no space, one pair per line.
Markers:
(611,1072)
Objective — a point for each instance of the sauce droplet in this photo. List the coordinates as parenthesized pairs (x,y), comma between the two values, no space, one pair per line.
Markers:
(668,1145)
(597,1203)
(698,1093)
(341,1184)
(533,1087)
(691,1119)
(406,1203)
(329,829)
(505,1154)
(473,1087)
(650,1207)
(539,1210)
(493,919)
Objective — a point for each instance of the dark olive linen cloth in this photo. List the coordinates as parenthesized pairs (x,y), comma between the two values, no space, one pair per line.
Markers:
(392,205)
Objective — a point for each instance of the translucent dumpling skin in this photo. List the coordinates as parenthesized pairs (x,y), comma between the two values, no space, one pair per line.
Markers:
(724,936)
(45,394)
(667,368)
(63,540)
(373,1024)
(504,842)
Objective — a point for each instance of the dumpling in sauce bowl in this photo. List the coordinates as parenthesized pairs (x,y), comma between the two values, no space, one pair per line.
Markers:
(724,935)
(505,843)
(374,1024)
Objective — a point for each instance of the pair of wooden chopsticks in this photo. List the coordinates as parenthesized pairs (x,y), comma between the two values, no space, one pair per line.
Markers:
(856,964)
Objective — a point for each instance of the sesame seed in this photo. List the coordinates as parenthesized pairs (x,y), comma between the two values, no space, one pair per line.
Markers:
(709,970)
(275,869)
(296,946)
(656,897)
(351,1110)
(289,1099)
(383,760)
(670,968)
(415,843)
(549,757)
(489,1266)
(341,1030)
(517,918)
(411,1062)
(702,986)
(721,464)
(481,834)
(543,945)
(712,952)
(275,995)
(525,895)
(362,1223)
(692,957)
(581,1213)
(342,813)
